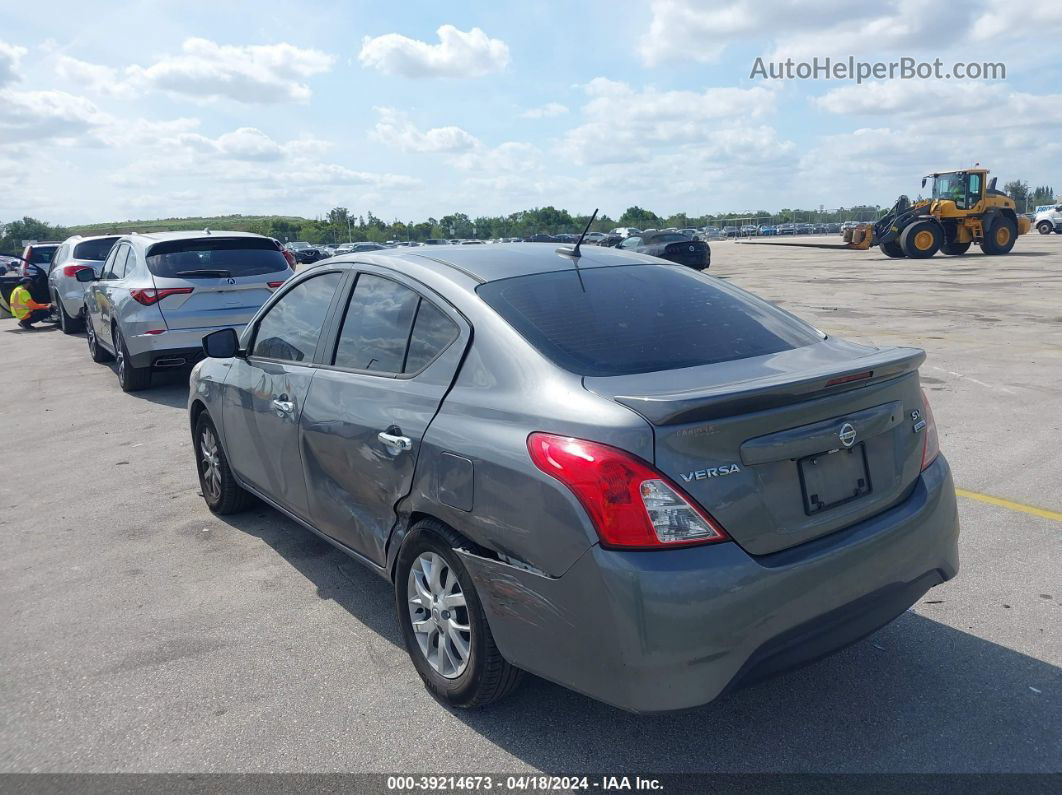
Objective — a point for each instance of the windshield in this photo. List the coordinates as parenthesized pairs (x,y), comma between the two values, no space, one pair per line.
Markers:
(94,249)
(641,318)
(949,186)
(215,258)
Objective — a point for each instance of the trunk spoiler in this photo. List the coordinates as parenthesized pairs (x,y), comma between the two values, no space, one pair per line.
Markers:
(772,383)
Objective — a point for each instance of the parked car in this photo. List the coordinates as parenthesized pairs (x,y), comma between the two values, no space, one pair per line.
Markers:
(365,246)
(730,492)
(712,233)
(158,294)
(37,258)
(1048,219)
(787,229)
(767,230)
(68,294)
(673,246)
(305,254)
(626,231)
(594,237)
(731,231)
(833,228)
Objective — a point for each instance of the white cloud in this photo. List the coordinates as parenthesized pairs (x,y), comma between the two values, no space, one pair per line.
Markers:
(623,124)
(701,30)
(252,74)
(10,55)
(44,115)
(546,111)
(94,78)
(458,54)
(394,129)
(512,156)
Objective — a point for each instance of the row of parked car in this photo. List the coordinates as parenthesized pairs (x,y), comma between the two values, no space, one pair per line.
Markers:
(561,461)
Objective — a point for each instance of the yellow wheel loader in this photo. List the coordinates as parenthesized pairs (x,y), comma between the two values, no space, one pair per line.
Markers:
(965,208)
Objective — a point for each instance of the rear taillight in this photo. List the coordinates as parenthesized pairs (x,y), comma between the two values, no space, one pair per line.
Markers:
(71,271)
(149,296)
(274,285)
(931,441)
(631,504)
(294,263)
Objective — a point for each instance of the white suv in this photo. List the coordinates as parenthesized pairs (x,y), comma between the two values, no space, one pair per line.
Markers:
(1048,219)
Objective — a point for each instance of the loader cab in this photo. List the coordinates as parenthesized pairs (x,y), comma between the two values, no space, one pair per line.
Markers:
(965,188)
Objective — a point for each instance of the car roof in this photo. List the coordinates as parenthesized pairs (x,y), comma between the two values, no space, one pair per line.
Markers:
(146,239)
(503,260)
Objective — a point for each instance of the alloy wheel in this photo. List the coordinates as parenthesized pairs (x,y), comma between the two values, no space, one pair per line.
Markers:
(439,614)
(210,464)
(119,352)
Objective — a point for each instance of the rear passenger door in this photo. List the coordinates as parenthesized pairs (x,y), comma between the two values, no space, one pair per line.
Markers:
(392,355)
(105,292)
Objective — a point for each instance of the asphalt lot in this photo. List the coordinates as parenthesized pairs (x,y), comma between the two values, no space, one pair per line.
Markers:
(138,632)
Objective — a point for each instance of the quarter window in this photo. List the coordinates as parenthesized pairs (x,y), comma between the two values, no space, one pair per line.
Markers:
(432,334)
(291,328)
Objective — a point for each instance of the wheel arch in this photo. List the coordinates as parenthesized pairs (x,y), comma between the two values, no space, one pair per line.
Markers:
(401,533)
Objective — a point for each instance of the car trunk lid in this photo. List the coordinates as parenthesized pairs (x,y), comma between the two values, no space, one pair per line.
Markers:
(786,447)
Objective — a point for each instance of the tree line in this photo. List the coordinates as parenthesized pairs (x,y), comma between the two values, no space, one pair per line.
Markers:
(341,225)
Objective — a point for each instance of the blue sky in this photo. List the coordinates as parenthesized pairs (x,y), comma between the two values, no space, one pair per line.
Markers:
(419,109)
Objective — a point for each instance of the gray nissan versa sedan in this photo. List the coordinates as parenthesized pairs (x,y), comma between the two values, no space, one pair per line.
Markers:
(628,477)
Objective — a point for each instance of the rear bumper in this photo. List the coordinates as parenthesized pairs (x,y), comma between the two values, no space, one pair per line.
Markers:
(667,630)
(153,350)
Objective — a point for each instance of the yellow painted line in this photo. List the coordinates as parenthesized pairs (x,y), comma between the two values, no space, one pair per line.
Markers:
(1014,506)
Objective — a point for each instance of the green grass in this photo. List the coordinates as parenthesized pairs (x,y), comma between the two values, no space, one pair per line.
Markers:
(232,223)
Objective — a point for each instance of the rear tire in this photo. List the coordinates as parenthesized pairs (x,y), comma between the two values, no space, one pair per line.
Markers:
(484,676)
(96,350)
(1045,227)
(956,249)
(892,249)
(131,379)
(922,239)
(221,492)
(69,325)
(999,239)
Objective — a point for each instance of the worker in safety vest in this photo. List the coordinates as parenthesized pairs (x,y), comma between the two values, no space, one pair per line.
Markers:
(24,308)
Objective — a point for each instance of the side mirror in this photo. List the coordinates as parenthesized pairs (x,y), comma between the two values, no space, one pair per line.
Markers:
(86,275)
(222,344)
(923,182)
(992,183)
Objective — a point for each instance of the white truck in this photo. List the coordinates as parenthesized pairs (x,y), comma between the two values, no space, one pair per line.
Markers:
(1048,219)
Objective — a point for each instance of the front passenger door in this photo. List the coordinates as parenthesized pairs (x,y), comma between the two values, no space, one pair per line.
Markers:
(265,392)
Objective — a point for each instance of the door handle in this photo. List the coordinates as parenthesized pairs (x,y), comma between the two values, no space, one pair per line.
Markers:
(283,405)
(396,444)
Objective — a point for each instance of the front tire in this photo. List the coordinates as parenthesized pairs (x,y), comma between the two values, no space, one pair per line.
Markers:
(69,325)
(96,350)
(892,249)
(1000,237)
(130,378)
(221,492)
(1045,227)
(921,239)
(443,624)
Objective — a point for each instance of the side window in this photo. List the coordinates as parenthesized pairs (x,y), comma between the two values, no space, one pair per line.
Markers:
(975,190)
(106,269)
(292,326)
(376,327)
(60,257)
(115,267)
(130,263)
(432,333)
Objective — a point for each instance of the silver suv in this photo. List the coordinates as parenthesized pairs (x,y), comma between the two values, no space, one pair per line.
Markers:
(67,293)
(158,294)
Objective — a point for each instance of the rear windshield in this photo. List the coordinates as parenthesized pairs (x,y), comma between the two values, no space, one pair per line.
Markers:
(41,255)
(666,237)
(215,257)
(641,319)
(94,249)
